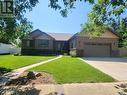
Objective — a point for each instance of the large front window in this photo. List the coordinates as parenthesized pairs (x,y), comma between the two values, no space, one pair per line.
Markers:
(30,43)
(43,43)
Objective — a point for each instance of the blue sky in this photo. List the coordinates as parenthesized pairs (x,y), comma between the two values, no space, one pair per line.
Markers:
(49,20)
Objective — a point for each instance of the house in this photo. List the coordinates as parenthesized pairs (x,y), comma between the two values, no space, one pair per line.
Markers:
(41,43)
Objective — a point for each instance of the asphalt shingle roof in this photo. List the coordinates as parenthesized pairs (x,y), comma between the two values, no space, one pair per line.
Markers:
(61,36)
(56,36)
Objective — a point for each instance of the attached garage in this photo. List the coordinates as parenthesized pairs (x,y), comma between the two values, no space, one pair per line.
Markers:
(97,50)
(106,45)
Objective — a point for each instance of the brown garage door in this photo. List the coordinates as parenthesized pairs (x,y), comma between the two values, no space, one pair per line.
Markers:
(97,50)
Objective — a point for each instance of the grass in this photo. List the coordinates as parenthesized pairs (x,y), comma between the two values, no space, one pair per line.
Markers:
(14,62)
(73,70)
(122,56)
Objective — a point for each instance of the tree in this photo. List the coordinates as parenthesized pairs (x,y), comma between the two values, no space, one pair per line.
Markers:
(103,7)
(93,27)
(8,26)
(121,29)
(106,14)
(22,30)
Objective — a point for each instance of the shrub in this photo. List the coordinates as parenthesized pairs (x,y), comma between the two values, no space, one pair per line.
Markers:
(73,53)
(17,54)
(65,54)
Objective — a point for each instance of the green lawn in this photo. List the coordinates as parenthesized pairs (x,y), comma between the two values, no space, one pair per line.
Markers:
(73,70)
(14,62)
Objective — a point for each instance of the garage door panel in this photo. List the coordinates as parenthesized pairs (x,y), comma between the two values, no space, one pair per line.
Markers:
(97,50)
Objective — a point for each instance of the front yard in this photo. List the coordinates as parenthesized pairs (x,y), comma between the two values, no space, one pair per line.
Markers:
(72,70)
(11,62)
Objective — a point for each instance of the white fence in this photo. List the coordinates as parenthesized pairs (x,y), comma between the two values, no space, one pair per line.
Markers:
(8,48)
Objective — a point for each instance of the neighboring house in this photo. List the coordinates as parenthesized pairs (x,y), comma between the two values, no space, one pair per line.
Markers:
(39,42)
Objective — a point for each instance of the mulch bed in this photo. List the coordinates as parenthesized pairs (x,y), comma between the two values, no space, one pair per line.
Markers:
(40,78)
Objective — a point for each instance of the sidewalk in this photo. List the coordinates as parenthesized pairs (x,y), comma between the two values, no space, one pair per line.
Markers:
(75,89)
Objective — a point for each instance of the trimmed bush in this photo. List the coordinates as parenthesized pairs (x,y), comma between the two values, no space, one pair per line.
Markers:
(17,54)
(73,53)
(65,54)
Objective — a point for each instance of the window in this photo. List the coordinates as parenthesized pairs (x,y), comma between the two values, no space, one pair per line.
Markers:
(43,43)
(73,44)
(59,46)
(30,43)
(27,43)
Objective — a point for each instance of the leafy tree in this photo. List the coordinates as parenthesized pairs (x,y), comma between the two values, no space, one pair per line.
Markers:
(106,14)
(93,29)
(21,31)
(121,29)
(8,26)
(103,7)
(102,12)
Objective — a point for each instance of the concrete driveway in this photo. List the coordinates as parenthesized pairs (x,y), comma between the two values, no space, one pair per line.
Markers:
(115,67)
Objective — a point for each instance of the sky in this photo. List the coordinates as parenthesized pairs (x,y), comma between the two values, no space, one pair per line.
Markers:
(49,20)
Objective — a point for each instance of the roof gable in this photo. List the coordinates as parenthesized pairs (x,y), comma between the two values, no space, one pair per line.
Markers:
(35,33)
(109,34)
(38,34)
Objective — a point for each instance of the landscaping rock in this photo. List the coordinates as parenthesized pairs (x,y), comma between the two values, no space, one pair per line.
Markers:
(38,74)
(123,85)
(31,75)
(116,87)
(18,81)
(122,93)
(28,78)
(125,90)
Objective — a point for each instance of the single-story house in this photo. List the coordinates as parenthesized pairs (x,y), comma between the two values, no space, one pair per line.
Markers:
(39,42)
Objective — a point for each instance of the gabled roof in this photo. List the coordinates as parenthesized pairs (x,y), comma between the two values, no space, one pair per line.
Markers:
(113,31)
(61,36)
(57,36)
(35,33)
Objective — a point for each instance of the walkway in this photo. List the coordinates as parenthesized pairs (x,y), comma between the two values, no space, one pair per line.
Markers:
(16,73)
(73,89)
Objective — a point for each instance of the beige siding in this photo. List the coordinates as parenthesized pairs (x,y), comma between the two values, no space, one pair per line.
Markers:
(107,38)
(109,34)
(82,40)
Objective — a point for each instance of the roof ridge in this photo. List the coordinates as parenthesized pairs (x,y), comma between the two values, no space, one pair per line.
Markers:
(58,33)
